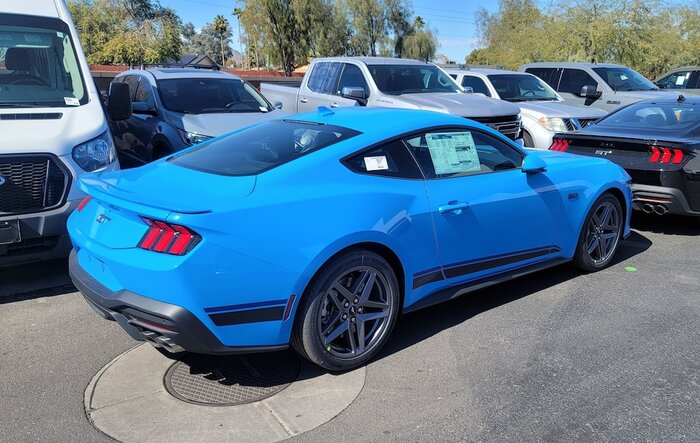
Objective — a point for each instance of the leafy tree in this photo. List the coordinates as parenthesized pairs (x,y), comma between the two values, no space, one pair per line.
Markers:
(367,18)
(208,42)
(222,30)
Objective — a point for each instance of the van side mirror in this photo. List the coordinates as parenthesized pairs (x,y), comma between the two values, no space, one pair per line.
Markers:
(354,93)
(469,89)
(119,102)
(590,91)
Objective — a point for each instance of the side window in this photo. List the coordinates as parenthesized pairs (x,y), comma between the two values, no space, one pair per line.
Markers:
(144,93)
(461,152)
(352,77)
(572,80)
(476,84)
(133,82)
(546,74)
(323,77)
(677,80)
(389,160)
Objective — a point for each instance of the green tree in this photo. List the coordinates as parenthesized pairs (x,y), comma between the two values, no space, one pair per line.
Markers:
(368,20)
(221,27)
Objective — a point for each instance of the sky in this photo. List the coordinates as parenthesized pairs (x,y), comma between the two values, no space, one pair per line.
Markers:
(453,20)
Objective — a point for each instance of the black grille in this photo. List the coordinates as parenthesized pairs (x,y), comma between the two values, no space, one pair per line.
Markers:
(31,183)
(586,121)
(570,125)
(35,116)
(508,125)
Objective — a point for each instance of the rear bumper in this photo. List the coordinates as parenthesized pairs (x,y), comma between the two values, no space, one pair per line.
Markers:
(44,236)
(162,324)
(672,199)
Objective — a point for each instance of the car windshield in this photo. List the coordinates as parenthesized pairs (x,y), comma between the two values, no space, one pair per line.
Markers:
(262,147)
(662,116)
(412,79)
(522,88)
(38,64)
(210,95)
(625,79)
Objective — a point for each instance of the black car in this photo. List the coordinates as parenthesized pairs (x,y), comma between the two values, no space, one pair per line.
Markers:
(658,144)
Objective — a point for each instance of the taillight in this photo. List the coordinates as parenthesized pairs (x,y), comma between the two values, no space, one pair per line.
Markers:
(559,144)
(83,203)
(167,238)
(665,155)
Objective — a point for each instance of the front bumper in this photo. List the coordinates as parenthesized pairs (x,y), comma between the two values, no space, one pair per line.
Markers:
(673,200)
(44,236)
(164,325)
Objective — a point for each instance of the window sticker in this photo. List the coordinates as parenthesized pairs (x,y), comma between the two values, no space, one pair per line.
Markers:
(453,152)
(378,163)
(71,101)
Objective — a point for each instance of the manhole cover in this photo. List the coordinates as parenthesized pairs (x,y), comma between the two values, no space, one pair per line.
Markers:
(230,380)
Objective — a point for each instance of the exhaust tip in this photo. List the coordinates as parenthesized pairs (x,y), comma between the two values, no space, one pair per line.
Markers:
(647,208)
(660,209)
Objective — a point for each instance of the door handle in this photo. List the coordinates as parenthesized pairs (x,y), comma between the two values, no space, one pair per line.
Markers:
(303,100)
(453,207)
(334,105)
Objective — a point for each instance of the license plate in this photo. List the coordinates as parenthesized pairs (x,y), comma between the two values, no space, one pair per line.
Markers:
(9,232)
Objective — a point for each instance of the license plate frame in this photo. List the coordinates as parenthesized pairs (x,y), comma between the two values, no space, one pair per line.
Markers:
(9,232)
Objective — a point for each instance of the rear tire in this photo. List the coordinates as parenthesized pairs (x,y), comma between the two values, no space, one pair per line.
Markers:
(348,311)
(601,234)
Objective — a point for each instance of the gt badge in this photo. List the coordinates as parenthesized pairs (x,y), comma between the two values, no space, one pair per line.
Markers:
(102,219)
(602,152)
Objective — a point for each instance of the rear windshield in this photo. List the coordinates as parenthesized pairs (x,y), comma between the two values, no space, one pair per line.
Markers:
(654,116)
(262,147)
(211,96)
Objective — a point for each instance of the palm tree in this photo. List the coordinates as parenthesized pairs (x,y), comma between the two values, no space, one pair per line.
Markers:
(221,28)
(238,12)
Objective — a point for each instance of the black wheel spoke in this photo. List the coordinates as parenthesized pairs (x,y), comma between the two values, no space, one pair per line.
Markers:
(603,232)
(369,285)
(373,315)
(343,291)
(335,333)
(369,304)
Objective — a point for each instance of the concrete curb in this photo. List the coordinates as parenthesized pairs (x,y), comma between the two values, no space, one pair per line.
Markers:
(126,400)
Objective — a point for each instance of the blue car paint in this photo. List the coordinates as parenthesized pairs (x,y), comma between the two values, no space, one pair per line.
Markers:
(264,237)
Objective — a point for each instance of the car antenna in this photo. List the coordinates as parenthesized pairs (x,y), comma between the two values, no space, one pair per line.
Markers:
(681,98)
(325,111)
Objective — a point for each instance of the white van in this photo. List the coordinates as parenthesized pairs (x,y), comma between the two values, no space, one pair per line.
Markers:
(53,129)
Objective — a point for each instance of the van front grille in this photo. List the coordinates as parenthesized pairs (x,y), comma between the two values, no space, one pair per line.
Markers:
(31,183)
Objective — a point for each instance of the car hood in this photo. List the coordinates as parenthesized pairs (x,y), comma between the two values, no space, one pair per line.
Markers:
(464,105)
(559,109)
(217,124)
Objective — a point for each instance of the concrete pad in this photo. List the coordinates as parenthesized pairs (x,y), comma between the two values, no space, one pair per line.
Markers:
(127,401)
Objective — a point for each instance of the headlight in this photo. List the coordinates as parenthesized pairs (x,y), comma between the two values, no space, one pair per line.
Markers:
(193,138)
(95,154)
(554,124)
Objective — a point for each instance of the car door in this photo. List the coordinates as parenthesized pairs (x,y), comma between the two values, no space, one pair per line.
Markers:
(489,216)
(351,76)
(570,84)
(321,81)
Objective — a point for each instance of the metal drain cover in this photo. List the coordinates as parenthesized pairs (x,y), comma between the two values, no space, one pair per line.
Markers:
(230,380)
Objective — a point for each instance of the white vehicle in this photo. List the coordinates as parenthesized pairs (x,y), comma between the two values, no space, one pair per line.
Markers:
(391,83)
(544,112)
(53,129)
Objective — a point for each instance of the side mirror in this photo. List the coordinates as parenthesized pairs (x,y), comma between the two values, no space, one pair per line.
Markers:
(354,93)
(143,108)
(533,164)
(590,91)
(277,105)
(119,102)
(469,89)
(660,85)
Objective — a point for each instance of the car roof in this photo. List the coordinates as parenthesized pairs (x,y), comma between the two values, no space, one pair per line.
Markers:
(374,60)
(571,65)
(173,73)
(484,71)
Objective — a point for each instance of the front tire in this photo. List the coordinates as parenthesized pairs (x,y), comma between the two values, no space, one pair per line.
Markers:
(347,312)
(600,235)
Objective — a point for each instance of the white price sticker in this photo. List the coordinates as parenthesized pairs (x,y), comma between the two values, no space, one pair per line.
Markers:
(378,163)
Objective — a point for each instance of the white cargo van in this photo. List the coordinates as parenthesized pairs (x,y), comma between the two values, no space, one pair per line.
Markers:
(53,128)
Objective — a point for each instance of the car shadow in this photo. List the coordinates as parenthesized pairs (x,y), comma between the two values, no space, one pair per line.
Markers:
(666,224)
(35,280)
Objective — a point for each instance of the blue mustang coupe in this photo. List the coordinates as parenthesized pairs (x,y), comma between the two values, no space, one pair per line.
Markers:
(320,230)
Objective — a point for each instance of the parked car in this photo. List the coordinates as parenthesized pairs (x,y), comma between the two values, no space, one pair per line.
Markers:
(391,83)
(600,85)
(320,229)
(681,80)
(543,111)
(52,127)
(174,108)
(658,144)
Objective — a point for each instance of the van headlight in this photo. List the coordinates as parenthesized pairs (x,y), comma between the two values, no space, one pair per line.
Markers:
(554,124)
(95,154)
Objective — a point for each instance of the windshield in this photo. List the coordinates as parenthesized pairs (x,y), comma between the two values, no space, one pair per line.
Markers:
(522,88)
(262,147)
(38,64)
(664,116)
(625,79)
(210,95)
(412,79)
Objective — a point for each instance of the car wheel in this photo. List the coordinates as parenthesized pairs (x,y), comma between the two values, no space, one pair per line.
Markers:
(600,236)
(347,312)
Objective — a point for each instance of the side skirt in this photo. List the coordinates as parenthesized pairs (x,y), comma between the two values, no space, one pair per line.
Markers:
(465,288)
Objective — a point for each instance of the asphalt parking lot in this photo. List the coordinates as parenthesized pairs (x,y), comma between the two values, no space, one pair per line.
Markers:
(555,356)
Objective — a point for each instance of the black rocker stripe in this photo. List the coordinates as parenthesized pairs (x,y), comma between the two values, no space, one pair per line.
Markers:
(456,270)
(248,316)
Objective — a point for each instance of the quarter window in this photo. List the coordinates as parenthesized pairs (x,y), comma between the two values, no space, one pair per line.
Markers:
(133,82)
(461,152)
(573,80)
(390,160)
(476,84)
(144,93)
